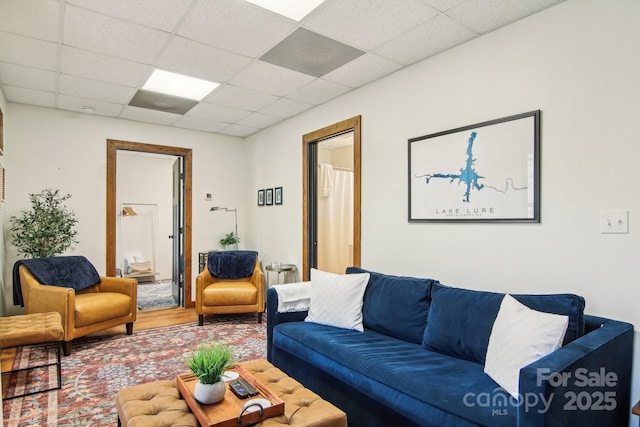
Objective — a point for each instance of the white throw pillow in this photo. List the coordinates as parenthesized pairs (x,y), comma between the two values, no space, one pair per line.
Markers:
(336,299)
(520,336)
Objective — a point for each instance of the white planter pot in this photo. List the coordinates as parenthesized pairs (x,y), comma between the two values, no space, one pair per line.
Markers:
(209,393)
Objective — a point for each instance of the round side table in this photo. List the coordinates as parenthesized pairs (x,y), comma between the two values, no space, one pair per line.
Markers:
(279,268)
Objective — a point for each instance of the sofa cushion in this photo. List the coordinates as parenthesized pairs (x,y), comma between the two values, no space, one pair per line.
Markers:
(336,299)
(394,305)
(460,320)
(520,336)
(422,385)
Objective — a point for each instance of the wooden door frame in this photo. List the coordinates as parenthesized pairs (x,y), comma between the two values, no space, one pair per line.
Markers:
(186,153)
(353,124)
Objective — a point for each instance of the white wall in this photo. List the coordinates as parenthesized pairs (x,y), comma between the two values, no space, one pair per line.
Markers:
(67,151)
(578,62)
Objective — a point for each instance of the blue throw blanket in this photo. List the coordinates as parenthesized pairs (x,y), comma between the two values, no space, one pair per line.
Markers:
(75,272)
(232,264)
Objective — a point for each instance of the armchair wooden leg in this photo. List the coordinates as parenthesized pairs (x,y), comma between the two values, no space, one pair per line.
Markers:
(66,348)
(259,317)
(200,319)
(129,328)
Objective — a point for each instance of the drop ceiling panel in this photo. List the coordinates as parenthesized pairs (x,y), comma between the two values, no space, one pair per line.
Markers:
(33,18)
(28,51)
(318,92)
(86,30)
(74,103)
(368,27)
(486,15)
(149,116)
(218,113)
(160,14)
(363,70)
(236,26)
(104,68)
(34,78)
(93,89)
(259,120)
(188,122)
(285,108)
(238,130)
(270,79)
(29,96)
(241,98)
(425,40)
(195,59)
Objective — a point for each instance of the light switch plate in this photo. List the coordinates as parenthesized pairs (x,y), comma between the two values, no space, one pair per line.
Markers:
(614,222)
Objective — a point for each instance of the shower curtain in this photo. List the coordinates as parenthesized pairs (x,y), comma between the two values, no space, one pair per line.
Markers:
(335,219)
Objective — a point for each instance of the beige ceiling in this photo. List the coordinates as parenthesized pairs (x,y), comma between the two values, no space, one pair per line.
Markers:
(70,54)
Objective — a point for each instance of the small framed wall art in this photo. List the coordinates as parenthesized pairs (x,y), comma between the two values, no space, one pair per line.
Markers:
(277,195)
(260,197)
(268,196)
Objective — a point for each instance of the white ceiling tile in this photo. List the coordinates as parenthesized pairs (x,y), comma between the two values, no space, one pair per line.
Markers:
(33,78)
(28,51)
(215,112)
(75,103)
(29,96)
(238,130)
(434,36)
(93,89)
(197,60)
(367,23)
(241,98)
(259,120)
(443,5)
(86,30)
(160,14)
(150,116)
(271,79)
(285,108)
(200,124)
(486,15)
(318,92)
(103,68)
(32,18)
(236,26)
(363,70)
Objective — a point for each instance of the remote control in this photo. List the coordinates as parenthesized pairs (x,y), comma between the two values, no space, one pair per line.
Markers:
(242,388)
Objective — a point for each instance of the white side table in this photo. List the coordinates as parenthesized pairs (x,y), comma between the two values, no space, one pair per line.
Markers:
(279,268)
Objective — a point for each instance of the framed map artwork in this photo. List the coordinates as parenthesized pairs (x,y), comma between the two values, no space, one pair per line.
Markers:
(489,171)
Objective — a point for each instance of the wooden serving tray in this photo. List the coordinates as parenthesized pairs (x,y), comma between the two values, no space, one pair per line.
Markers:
(225,413)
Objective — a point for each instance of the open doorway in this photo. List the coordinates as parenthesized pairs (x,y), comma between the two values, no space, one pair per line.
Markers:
(331,197)
(180,206)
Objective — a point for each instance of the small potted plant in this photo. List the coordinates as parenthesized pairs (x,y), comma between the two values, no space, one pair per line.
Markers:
(208,362)
(230,241)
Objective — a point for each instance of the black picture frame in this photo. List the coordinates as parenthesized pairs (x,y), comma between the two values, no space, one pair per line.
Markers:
(260,197)
(268,196)
(277,196)
(488,171)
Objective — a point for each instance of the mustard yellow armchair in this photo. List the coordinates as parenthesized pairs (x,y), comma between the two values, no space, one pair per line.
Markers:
(217,295)
(112,302)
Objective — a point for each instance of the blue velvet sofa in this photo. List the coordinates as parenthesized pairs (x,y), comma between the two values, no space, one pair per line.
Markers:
(420,360)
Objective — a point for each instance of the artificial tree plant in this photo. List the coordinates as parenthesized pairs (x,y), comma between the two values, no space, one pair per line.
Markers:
(47,229)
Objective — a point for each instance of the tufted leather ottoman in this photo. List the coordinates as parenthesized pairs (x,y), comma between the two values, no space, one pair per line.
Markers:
(156,404)
(33,329)
(159,403)
(302,407)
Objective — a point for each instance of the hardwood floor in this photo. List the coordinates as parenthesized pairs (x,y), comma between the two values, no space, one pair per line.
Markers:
(145,320)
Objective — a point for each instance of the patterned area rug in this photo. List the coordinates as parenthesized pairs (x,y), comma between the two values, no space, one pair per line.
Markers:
(100,366)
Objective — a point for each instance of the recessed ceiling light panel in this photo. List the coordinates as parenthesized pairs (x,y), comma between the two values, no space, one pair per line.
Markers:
(179,85)
(294,9)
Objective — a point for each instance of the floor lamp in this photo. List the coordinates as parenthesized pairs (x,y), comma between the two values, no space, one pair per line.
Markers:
(235,211)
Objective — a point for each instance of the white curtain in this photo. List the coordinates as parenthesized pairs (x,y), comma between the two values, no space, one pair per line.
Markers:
(335,219)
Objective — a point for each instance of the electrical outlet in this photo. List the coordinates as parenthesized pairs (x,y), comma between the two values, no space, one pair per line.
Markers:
(612,222)
(208,197)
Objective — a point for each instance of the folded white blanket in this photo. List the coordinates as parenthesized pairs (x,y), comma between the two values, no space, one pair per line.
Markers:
(293,296)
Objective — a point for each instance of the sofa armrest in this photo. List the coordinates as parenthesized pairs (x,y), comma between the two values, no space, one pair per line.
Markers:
(585,383)
(119,285)
(274,318)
